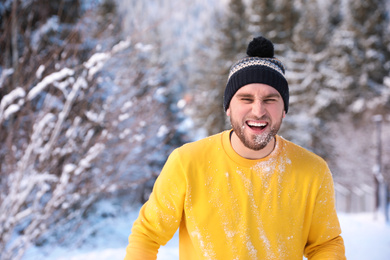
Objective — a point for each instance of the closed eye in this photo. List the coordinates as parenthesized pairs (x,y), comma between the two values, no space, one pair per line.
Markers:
(245,98)
(270,100)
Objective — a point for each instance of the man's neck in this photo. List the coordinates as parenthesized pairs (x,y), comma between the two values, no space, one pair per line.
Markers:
(248,153)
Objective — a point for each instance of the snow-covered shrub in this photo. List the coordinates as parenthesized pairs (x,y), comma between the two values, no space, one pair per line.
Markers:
(75,136)
(71,134)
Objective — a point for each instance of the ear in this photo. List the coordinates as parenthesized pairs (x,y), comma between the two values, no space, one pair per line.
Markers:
(228,112)
(284,113)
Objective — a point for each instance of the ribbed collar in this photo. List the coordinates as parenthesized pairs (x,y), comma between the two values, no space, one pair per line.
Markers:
(248,163)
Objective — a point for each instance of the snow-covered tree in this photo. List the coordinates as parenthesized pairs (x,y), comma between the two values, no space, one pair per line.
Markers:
(32,34)
(226,43)
(274,20)
(357,84)
(91,105)
(359,54)
(72,133)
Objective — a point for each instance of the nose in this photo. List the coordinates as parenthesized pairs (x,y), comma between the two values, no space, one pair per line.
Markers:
(258,108)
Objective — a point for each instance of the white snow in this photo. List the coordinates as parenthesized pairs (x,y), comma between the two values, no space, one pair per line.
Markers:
(162,131)
(366,237)
(52,24)
(11,97)
(54,77)
(7,104)
(121,45)
(4,74)
(144,47)
(40,71)
(95,63)
(12,109)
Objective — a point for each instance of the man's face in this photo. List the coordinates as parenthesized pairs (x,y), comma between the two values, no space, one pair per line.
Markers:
(256,112)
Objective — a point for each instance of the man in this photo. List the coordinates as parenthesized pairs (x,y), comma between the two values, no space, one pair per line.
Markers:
(246,193)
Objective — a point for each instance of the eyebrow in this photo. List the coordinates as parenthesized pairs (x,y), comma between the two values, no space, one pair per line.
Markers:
(245,95)
(272,95)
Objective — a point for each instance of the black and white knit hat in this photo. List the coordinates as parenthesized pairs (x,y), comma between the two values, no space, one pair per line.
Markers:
(260,66)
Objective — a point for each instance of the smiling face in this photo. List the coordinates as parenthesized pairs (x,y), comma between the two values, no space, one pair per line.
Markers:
(256,113)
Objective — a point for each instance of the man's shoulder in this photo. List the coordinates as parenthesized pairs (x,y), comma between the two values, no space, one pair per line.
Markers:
(199,151)
(302,153)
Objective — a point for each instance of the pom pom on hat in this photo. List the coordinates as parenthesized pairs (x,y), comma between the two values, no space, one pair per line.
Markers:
(260,47)
(260,66)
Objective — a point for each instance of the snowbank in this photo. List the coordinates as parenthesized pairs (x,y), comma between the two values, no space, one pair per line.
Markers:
(365,238)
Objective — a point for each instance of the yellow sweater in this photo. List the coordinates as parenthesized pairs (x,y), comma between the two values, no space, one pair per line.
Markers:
(228,207)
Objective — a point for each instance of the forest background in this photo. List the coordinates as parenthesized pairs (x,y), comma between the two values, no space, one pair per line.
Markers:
(95,94)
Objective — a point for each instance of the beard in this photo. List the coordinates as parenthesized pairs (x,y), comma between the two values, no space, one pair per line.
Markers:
(259,141)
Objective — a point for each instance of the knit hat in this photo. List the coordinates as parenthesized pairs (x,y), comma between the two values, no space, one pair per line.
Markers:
(260,66)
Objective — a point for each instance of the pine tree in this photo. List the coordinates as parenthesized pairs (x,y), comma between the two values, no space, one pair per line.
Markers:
(360,55)
(274,20)
(359,64)
(311,34)
(230,39)
(293,27)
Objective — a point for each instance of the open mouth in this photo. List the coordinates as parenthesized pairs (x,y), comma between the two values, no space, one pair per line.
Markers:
(256,125)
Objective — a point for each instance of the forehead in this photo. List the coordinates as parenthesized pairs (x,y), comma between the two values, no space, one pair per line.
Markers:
(257,89)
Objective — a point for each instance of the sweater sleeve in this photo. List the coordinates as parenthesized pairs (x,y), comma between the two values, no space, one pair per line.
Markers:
(324,240)
(160,216)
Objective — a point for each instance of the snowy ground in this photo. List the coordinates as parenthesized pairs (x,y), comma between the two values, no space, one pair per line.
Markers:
(365,238)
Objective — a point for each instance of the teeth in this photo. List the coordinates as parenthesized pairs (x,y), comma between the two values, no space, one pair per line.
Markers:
(257,124)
